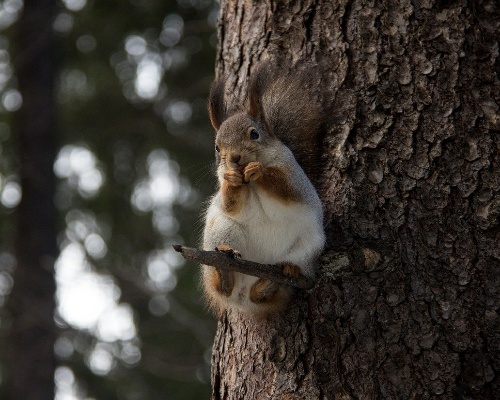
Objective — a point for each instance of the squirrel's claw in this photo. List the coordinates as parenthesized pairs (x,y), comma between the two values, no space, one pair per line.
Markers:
(224,248)
(290,269)
(253,171)
(233,177)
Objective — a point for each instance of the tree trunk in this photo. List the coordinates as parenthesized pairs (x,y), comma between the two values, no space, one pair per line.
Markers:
(407,303)
(32,303)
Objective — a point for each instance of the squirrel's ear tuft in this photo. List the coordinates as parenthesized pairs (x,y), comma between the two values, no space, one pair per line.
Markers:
(259,82)
(216,104)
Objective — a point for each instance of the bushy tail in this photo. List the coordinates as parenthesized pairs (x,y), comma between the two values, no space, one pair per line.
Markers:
(291,111)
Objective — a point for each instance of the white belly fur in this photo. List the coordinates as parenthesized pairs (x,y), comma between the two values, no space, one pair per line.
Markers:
(271,232)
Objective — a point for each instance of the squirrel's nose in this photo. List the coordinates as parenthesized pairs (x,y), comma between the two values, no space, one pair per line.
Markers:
(235,158)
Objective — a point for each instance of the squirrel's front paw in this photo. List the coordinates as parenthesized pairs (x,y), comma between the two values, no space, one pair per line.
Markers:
(225,248)
(253,171)
(233,177)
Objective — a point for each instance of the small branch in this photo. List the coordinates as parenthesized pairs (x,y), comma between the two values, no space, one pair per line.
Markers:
(225,261)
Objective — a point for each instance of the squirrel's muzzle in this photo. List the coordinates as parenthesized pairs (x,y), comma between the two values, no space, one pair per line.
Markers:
(235,158)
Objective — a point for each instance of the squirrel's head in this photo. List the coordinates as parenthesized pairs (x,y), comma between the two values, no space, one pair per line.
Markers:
(241,136)
(240,140)
(280,107)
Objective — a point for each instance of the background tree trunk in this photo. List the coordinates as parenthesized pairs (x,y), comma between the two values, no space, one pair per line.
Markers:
(32,303)
(408,297)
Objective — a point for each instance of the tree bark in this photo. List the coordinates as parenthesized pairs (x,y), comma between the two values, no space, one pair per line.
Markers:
(32,304)
(407,303)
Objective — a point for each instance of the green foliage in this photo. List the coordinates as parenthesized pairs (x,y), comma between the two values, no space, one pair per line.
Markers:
(134,168)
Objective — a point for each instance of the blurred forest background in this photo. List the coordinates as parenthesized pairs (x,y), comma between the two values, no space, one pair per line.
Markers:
(134,168)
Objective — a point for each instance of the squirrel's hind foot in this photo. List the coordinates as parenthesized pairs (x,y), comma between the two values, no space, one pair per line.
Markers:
(263,290)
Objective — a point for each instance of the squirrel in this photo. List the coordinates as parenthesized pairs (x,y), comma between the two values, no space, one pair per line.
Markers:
(265,209)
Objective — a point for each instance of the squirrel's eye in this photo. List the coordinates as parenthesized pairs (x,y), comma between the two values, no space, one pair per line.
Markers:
(217,149)
(254,135)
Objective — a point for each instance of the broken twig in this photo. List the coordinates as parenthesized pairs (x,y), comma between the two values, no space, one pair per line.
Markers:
(225,261)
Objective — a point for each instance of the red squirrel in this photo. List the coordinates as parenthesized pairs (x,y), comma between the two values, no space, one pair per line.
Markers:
(265,209)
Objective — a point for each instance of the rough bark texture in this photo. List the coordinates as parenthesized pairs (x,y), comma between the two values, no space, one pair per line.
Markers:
(32,303)
(407,305)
